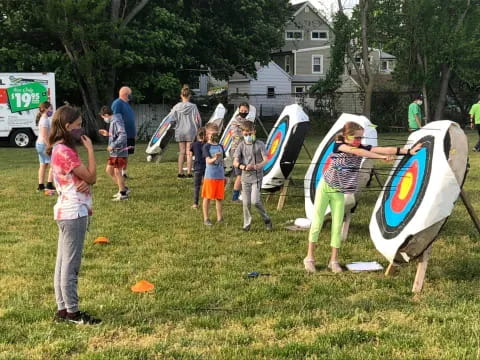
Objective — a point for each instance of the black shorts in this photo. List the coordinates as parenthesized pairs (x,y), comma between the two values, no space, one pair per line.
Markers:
(131,145)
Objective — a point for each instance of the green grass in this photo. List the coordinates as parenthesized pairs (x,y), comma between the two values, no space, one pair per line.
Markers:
(202,306)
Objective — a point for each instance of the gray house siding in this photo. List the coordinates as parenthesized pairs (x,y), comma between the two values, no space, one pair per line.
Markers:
(304,61)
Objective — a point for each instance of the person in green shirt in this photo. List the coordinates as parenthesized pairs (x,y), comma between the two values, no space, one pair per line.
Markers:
(415,114)
(475,120)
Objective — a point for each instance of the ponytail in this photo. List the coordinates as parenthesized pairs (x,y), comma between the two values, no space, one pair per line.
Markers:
(185,92)
(41,109)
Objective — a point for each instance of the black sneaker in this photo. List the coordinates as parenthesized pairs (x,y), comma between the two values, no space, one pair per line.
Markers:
(246,228)
(189,175)
(60,316)
(82,318)
(181,176)
(269,225)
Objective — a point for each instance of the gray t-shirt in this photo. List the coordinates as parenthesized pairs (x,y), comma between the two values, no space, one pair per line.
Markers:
(251,154)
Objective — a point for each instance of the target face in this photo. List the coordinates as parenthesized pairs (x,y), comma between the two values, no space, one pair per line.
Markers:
(275,144)
(321,166)
(405,189)
(227,137)
(161,131)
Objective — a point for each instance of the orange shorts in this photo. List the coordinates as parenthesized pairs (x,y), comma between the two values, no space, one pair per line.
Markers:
(117,162)
(213,189)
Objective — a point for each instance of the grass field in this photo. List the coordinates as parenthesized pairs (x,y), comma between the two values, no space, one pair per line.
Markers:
(203,307)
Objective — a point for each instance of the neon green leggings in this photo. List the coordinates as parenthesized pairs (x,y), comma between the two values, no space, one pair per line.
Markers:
(324,197)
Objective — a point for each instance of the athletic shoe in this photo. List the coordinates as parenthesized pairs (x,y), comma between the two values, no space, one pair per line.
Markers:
(120,197)
(118,193)
(335,267)
(180,176)
(475,150)
(269,225)
(60,315)
(189,175)
(82,318)
(207,223)
(309,265)
(246,228)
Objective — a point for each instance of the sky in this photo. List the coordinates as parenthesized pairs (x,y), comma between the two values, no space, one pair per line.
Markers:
(329,6)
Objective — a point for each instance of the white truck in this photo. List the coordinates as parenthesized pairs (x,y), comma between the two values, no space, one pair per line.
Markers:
(20,96)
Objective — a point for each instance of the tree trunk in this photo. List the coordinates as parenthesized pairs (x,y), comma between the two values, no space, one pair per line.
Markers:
(368,74)
(442,96)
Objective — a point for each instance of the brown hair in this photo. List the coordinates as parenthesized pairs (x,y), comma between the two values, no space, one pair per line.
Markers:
(64,115)
(212,127)
(247,126)
(185,92)
(348,130)
(42,108)
(106,110)
(201,133)
(244,104)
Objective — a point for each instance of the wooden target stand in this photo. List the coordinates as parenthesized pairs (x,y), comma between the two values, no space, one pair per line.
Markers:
(423,259)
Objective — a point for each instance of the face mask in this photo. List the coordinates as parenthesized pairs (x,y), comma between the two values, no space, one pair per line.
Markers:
(49,113)
(108,120)
(77,134)
(249,139)
(243,115)
(129,97)
(419,102)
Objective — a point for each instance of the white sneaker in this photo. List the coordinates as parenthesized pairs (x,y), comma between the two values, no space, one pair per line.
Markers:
(309,265)
(118,193)
(120,197)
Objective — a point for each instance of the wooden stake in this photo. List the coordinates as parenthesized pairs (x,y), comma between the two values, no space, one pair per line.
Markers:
(283,195)
(470,209)
(421,270)
(391,269)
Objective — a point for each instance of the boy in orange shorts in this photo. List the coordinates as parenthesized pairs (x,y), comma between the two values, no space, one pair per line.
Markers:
(214,180)
(117,147)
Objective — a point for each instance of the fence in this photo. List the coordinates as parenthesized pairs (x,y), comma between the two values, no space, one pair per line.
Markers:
(388,110)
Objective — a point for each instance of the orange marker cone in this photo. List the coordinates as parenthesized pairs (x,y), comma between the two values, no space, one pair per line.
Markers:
(101,240)
(142,286)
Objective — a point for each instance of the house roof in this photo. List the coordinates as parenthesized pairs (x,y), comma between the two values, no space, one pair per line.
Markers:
(237,77)
(300,6)
(384,55)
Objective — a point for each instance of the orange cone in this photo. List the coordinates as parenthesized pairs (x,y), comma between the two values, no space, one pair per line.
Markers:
(101,240)
(142,286)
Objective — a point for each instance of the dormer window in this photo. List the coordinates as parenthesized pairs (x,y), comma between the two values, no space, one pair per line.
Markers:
(319,35)
(294,35)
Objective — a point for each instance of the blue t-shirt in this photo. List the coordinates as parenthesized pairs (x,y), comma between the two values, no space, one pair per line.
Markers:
(215,170)
(123,108)
(197,149)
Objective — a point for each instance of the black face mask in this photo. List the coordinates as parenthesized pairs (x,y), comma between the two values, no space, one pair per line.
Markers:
(243,115)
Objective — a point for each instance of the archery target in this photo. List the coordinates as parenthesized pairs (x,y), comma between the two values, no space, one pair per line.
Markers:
(161,138)
(321,159)
(218,116)
(283,146)
(420,192)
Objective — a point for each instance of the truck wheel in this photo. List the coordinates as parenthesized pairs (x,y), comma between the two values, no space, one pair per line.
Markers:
(21,138)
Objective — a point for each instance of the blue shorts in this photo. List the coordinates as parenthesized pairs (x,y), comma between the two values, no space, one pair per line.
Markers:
(43,158)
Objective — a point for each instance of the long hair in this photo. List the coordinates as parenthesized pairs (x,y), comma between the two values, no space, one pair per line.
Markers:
(63,116)
(348,130)
(42,108)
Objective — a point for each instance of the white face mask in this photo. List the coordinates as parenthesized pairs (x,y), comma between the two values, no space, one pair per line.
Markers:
(419,102)
(108,120)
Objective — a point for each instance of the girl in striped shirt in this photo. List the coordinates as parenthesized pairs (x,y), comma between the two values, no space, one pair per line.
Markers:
(340,178)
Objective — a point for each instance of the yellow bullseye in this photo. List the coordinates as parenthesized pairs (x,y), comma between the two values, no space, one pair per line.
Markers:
(274,146)
(405,185)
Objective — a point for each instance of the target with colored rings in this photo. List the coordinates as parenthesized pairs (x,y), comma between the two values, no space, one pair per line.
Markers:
(275,143)
(162,129)
(321,166)
(226,140)
(405,189)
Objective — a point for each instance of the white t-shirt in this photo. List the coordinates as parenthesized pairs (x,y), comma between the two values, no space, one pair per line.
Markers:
(44,122)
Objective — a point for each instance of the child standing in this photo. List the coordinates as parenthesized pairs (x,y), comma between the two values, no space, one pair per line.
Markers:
(74,205)
(198,165)
(214,181)
(250,158)
(340,178)
(44,124)
(243,110)
(117,146)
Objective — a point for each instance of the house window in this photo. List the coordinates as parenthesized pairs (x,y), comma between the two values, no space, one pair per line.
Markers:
(294,35)
(287,63)
(299,89)
(319,35)
(317,64)
(270,92)
(237,91)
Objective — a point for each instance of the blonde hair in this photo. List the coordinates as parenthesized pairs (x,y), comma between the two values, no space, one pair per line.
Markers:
(185,92)
(247,126)
(211,127)
(348,130)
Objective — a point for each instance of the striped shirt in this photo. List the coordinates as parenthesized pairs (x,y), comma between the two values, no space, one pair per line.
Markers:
(342,173)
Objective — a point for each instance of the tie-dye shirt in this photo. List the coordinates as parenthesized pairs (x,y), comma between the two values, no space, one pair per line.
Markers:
(71,204)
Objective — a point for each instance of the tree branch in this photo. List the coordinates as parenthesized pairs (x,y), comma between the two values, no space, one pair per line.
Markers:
(134,12)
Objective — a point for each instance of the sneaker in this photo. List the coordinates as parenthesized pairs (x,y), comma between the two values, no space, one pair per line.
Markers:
(120,197)
(189,175)
(181,176)
(246,228)
(127,189)
(269,225)
(309,265)
(82,318)
(475,150)
(40,189)
(194,206)
(60,315)
(335,267)
(207,223)
(220,221)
